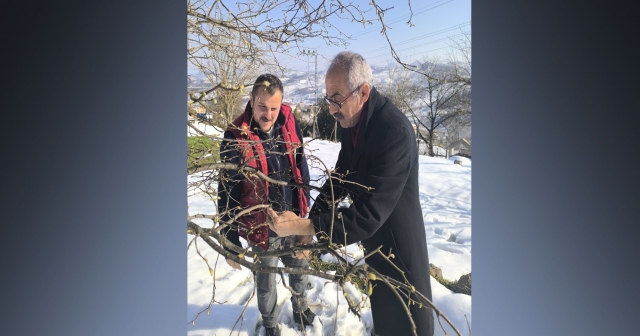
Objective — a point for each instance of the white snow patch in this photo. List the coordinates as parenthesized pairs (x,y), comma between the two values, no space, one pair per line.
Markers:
(204,128)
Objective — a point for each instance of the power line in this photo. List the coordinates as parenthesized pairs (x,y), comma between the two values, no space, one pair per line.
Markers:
(398,19)
(437,32)
(417,46)
(420,11)
(414,55)
(386,48)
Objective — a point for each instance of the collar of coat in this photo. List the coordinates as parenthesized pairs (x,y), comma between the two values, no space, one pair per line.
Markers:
(374,103)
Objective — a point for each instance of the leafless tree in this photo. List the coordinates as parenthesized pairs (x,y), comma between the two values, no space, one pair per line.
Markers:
(431,101)
(404,92)
(460,56)
(229,43)
(436,95)
(459,126)
(232,72)
(226,39)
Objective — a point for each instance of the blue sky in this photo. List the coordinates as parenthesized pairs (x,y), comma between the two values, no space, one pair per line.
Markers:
(435,21)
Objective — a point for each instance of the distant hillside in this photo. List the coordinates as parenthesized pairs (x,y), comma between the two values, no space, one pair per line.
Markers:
(299,85)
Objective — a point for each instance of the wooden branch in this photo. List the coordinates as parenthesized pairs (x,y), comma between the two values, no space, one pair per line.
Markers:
(197,231)
(249,170)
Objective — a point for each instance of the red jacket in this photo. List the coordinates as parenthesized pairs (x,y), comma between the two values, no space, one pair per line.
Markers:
(255,190)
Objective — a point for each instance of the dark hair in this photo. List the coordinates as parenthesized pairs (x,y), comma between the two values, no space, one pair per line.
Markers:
(269,82)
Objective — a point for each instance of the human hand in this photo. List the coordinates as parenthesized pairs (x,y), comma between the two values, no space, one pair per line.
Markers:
(303,254)
(233,264)
(288,224)
(302,240)
(299,240)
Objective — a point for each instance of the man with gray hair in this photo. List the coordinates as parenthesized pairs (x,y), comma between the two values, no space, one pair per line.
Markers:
(379,161)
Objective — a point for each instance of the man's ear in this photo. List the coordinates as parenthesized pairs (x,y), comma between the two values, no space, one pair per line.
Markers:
(251,100)
(365,91)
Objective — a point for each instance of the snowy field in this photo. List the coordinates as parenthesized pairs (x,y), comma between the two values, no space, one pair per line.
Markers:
(204,128)
(445,194)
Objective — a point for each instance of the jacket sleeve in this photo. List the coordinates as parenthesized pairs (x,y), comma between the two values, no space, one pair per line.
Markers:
(390,160)
(229,188)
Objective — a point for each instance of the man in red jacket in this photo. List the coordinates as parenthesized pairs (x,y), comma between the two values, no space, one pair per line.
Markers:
(267,137)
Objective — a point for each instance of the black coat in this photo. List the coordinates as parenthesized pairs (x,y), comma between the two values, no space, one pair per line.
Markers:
(389,215)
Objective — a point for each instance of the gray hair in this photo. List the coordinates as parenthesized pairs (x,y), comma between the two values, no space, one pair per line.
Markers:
(353,65)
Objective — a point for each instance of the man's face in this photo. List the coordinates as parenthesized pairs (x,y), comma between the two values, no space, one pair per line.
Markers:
(266,108)
(351,102)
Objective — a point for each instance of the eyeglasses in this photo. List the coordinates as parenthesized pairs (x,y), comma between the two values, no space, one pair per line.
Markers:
(339,105)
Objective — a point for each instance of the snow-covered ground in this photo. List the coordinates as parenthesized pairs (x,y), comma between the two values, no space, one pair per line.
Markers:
(204,128)
(445,194)
(424,150)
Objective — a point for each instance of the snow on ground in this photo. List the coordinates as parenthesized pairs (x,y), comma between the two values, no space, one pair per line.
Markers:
(424,150)
(445,194)
(206,129)
(465,161)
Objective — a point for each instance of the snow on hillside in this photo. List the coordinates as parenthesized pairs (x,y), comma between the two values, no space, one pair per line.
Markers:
(299,84)
(445,194)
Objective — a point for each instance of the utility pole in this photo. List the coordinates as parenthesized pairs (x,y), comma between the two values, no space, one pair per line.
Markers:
(315,106)
(315,91)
